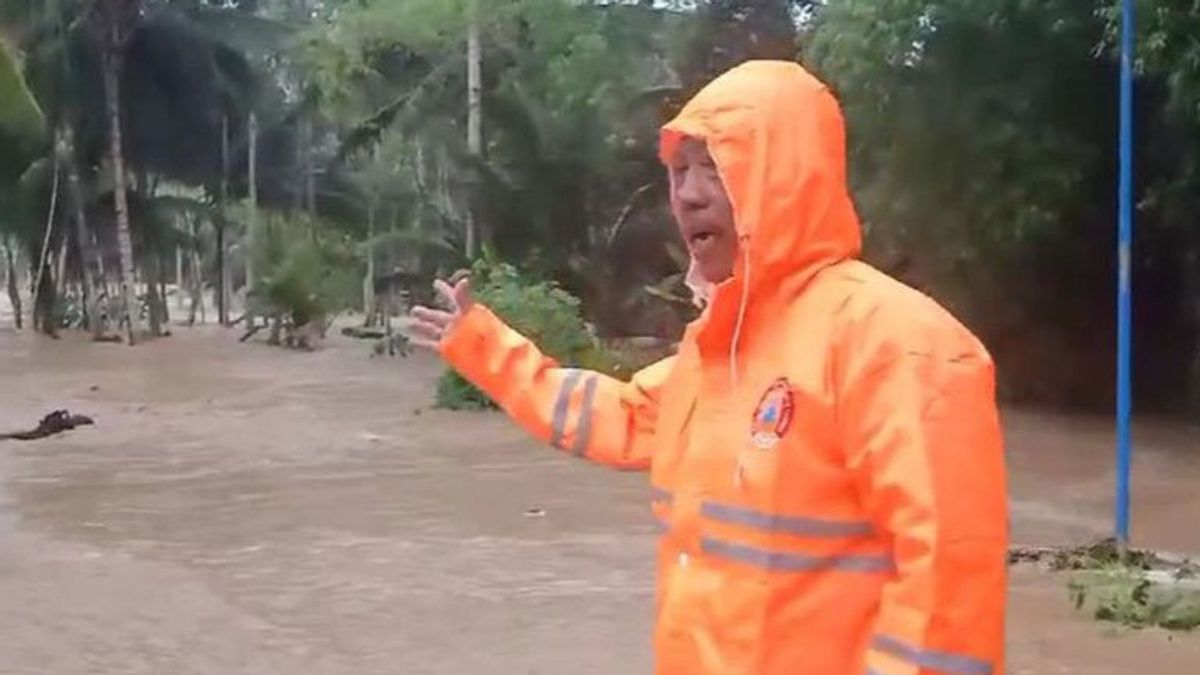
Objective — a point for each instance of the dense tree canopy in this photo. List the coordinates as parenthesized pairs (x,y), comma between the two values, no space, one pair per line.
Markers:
(982,142)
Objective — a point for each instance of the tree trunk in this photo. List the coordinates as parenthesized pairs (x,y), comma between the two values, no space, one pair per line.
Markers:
(222,306)
(14,287)
(197,277)
(222,294)
(111,67)
(153,306)
(252,223)
(60,267)
(474,128)
(162,304)
(299,185)
(442,171)
(43,306)
(179,276)
(96,242)
(43,257)
(310,177)
(369,277)
(59,282)
(84,243)
(1191,285)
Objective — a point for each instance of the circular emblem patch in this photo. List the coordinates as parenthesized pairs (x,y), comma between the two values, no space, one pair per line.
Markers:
(773,416)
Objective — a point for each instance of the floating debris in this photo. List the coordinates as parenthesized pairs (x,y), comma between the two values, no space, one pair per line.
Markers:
(55,423)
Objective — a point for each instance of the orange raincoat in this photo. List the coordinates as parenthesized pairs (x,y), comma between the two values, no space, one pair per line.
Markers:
(825,449)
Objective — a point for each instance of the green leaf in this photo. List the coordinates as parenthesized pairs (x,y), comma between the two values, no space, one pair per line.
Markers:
(21,120)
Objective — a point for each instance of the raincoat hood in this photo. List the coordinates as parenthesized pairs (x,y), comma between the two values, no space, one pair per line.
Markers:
(778,139)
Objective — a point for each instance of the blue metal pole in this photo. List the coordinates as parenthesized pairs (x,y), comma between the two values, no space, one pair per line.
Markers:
(1124,280)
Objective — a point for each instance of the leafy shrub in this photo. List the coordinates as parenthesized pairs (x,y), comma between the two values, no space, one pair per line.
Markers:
(302,274)
(539,310)
(1132,588)
(1135,598)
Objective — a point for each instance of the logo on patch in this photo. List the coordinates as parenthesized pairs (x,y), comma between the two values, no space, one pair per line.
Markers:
(773,416)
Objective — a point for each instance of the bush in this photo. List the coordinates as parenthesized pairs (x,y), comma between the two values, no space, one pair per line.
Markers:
(304,275)
(1138,598)
(539,310)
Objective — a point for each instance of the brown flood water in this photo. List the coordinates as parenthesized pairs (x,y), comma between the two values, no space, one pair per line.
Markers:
(247,509)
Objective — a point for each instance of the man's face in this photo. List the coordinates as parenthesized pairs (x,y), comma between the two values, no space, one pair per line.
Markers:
(703,211)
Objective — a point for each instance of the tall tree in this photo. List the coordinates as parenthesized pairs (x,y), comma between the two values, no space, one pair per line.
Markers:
(474,123)
(114,22)
(252,190)
(21,126)
(21,120)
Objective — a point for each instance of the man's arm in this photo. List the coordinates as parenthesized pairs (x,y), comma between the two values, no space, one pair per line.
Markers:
(923,435)
(581,412)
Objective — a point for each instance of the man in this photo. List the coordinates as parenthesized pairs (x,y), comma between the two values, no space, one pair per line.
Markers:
(825,449)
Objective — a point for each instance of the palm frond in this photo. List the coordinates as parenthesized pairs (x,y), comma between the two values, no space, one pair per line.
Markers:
(419,239)
(369,131)
(21,119)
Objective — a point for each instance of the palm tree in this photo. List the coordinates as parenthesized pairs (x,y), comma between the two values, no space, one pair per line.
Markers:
(21,118)
(137,88)
(474,121)
(113,23)
(21,126)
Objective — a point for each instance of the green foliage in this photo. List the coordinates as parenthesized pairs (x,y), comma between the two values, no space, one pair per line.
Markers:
(19,113)
(725,33)
(302,273)
(539,310)
(957,140)
(1127,596)
(454,392)
(21,121)
(1167,45)
(986,175)
(1133,588)
(981,139)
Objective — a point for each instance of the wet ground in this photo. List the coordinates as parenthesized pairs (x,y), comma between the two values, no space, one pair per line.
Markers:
(248,509)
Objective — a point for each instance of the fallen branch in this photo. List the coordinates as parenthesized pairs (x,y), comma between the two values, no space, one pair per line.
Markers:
(361,333)
(55,423)
(626,212)
(1098,555)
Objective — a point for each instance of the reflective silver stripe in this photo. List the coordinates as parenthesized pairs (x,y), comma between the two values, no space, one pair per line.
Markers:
(795,562)
(562,406)
(872,671)
(943,662)
(661,496)
(583,431)
(809,527)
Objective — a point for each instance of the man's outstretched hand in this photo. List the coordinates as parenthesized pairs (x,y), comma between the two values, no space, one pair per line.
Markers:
(431,325)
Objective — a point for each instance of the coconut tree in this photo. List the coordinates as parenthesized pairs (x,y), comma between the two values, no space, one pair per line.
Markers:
(113,23)
(21,126)
(21,120)
(138,93)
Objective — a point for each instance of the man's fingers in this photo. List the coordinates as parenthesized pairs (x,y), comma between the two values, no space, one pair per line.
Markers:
(446,294)
(434,316)
(427,331)
(462,294)
(431,345)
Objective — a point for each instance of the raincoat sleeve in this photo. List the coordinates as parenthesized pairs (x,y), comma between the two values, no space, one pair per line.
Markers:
(581,412)
(924,441)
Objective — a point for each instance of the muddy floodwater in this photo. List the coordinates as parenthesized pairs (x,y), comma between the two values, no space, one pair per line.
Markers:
(243,509)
